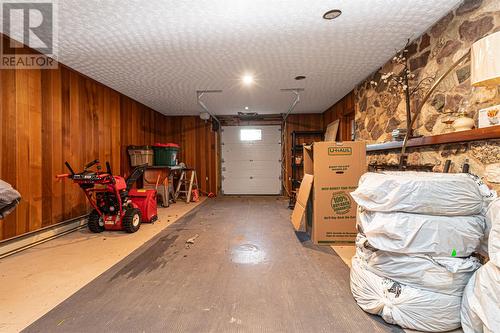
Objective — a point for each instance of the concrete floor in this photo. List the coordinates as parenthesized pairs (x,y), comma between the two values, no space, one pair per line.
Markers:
(345,253)
(36,280)
(246,271)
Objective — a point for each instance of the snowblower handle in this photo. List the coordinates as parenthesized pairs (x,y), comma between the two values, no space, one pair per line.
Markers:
(108,170)
(91,164)
(69,168)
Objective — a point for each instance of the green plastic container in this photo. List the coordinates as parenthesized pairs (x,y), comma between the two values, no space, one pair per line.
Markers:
(165,154)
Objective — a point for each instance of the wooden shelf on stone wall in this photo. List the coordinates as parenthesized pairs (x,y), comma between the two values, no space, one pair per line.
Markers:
(455,137)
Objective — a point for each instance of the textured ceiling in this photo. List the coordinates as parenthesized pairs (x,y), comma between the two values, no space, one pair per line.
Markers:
(161,52)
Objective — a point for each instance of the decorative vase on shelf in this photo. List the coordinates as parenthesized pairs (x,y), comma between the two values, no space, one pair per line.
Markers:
(463,123)
(448,121)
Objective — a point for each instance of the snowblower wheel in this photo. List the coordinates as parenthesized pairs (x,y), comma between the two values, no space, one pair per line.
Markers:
(95,222)
(132,220)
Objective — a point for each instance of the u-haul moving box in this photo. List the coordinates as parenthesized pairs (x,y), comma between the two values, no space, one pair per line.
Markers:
(336,168)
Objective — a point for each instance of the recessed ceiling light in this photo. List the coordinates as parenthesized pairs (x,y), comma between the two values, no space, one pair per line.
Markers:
(300,77)
(246,107)
(247,79)
(332,14)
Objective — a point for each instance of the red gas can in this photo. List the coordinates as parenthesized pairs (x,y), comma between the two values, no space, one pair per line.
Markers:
(146,202)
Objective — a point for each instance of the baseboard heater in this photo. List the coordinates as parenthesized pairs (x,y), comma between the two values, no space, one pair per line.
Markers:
(20,243)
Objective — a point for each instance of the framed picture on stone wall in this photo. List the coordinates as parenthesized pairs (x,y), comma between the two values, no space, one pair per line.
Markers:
(489,117)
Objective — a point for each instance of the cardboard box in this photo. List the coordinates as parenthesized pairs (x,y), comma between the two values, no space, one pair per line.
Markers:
(336,168)
(301,203)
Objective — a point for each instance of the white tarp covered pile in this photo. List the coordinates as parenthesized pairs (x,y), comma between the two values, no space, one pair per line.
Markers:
(429,193)
(417,233)
(481,300)
(402,304)
(446,275)
(9,198)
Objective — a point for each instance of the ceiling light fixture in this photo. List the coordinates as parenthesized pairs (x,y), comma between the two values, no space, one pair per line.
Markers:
(332,14)
(247,79)
(246,107)
(300,77)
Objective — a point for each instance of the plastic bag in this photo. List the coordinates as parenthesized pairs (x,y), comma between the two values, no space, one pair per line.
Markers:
(422,192)
(481,301)
(423,234)
(437,274)
(401,304)
(493,221)
(9,198)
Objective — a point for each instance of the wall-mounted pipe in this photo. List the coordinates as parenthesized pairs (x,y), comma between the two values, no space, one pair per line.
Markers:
(296,92)
(199,95)
(296,101)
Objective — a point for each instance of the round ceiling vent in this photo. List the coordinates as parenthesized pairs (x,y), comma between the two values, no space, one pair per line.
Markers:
(332,14)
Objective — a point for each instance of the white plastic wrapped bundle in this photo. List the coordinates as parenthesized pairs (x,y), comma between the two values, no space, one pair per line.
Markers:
(437,274)
(423,234)
(9,199)
(401,304)
(421,192)
(481,301)
(493,220)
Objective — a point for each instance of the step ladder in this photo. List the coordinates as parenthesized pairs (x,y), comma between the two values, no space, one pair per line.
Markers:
(186,184)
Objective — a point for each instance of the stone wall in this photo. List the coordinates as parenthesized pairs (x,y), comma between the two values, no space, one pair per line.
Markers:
(379,110)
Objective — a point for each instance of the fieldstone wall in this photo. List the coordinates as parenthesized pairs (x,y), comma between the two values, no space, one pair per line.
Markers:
(479,155)
(379,111)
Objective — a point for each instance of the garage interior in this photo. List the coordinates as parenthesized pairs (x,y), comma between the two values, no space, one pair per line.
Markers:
(250,166)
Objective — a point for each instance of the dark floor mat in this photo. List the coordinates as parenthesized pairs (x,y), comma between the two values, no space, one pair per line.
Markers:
(246,272)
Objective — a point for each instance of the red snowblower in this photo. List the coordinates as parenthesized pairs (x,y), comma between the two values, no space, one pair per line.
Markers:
(116,205)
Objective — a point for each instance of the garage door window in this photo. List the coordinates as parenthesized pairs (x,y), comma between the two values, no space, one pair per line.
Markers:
(250,134)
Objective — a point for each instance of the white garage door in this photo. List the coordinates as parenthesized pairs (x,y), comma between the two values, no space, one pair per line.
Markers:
(251,159)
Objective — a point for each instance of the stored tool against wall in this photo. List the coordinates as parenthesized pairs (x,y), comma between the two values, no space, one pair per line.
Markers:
(116,205)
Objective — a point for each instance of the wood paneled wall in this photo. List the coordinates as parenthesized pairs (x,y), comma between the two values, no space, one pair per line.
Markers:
(51,116)
(48,117)
(199,148)
(298,122)
(344,111)
(141,125)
